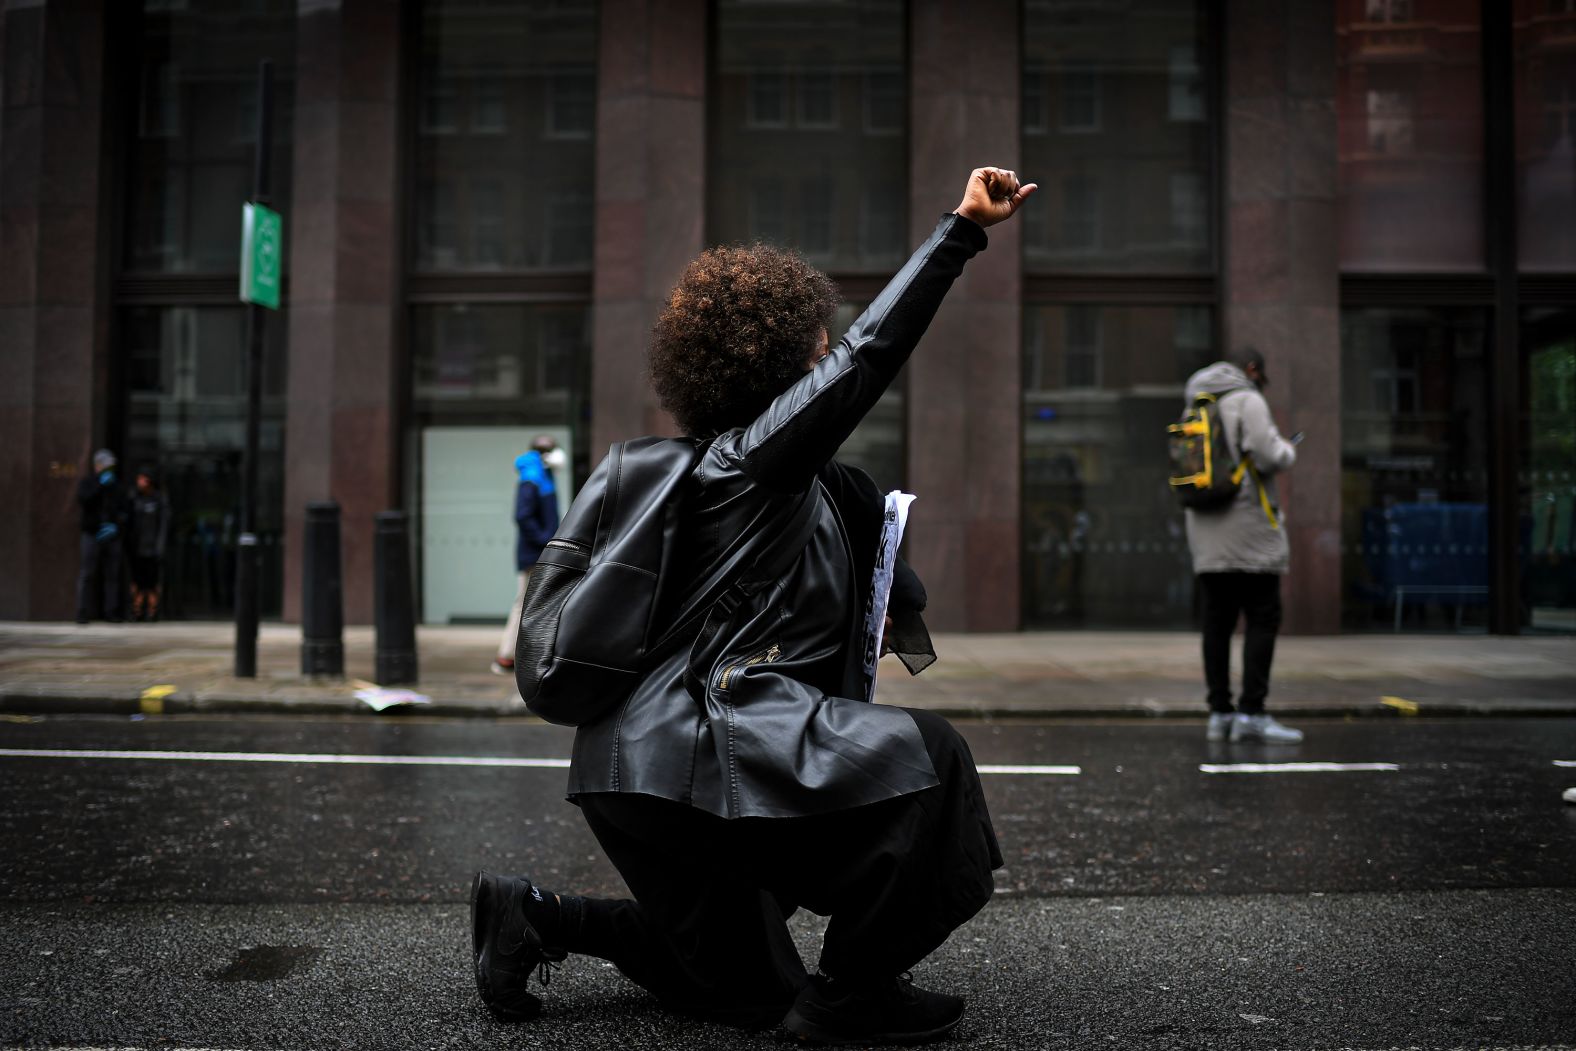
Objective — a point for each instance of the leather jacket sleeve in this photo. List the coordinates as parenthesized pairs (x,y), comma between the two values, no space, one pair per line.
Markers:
(804,427)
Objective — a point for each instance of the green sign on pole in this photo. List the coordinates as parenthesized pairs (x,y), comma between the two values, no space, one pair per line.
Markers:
(262,253)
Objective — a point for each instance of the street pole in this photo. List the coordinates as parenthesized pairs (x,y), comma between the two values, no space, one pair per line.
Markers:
(246,567)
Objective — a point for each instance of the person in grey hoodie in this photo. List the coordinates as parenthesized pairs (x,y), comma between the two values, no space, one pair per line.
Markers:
(1240,552)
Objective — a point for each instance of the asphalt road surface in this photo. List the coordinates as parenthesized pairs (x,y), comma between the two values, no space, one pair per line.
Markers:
(274,883)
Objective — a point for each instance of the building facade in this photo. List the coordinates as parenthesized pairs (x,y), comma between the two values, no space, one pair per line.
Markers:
(486,202)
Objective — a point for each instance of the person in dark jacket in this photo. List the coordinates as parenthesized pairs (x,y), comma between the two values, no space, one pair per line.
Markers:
(150,530)
(748,776)
(535,520)
(102,519)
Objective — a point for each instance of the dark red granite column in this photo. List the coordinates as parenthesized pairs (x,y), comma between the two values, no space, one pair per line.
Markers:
(1281,276)
(650,203)
(345,260)
(53,363)
(964,380)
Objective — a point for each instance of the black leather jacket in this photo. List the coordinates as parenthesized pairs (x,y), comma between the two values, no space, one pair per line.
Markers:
(775,731)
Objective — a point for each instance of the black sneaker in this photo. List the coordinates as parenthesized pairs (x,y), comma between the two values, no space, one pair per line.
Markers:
(507,948)
(890,1012)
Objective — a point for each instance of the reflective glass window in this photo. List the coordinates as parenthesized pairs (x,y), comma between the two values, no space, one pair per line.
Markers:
(1548,470)
(486,380)
(185,379)
(1410,124)
(192,134)
(1102,532)
(1544,38)
(485,363)
(1116,130)
(506,112)
(807,144)
(1414,478)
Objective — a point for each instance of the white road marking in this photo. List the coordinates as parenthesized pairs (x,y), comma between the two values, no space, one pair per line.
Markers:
(1291,768)
(390,760)
(1066,771)
(290,757)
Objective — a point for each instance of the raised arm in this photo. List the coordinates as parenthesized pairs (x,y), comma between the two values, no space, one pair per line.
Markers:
(806,424)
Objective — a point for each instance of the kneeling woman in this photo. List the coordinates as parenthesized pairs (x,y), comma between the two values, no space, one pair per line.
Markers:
(728,800)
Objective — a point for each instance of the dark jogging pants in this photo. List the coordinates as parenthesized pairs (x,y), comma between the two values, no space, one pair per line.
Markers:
(707,932)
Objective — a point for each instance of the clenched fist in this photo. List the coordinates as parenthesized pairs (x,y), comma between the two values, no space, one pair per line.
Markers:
(993,195)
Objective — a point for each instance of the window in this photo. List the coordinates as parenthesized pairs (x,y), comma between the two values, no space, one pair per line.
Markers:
(1414,468)
(1389,10)
(1114,97)
(884,102)
(1080,100)
(1186,97)
(1544,70)
(504,146)
(489,114)
(817,99)
(808,106)
(1103,541)
(768,100)
(768,216)
(1189,209)
(191,120)
(1409,108)
(1081,362)
(440,107)
(1549,466)
(1389,122)
(499,279)
(572,105)
(487,222)
(815,216)
(881,233)
(1080,212)
(484,364)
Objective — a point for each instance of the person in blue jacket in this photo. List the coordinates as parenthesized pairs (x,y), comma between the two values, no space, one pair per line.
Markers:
(535,521)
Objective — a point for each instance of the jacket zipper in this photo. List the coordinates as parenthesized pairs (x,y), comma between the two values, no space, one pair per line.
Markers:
(572,545)
(760,658)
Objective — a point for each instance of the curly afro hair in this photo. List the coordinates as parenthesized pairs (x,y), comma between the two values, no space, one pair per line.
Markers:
(737,331)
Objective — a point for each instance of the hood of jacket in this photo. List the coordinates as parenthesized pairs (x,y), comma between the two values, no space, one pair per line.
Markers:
(1218,378)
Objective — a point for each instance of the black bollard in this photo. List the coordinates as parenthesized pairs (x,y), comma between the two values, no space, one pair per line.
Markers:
(322,593)
(395,608)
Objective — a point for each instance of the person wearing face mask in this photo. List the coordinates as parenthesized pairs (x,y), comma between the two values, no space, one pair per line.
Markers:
(103,519)
(535,521)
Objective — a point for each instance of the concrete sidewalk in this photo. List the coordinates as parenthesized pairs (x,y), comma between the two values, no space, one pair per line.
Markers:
(57,668)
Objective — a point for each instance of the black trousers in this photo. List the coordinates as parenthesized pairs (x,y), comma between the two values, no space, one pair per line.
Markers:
(707,931)
(100,565)
(1255,598)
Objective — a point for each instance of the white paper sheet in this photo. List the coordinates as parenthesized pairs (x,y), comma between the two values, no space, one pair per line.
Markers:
(892,525)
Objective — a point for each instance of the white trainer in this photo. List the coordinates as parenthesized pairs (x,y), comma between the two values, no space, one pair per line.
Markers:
(1263,728)
(1219,726)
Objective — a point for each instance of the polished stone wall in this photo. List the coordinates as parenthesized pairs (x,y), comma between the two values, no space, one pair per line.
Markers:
(53,318)
(965,404)
(345,253)
(1281,275)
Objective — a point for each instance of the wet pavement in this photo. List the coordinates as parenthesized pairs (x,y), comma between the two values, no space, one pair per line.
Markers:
(277,882)
(111,668)
(1472,804)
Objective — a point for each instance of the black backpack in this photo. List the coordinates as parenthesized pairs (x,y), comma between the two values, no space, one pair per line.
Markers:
(1203,473)
(588,624)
